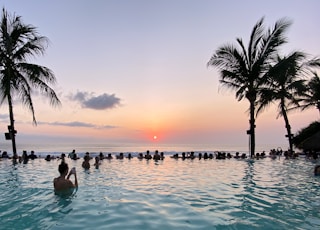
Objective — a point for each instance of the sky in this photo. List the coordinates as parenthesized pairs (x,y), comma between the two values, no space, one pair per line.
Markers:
(128,71)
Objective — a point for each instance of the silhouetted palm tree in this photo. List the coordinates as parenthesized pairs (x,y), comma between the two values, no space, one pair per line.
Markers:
(242,69)
(305,133)
(284,85)
(18,78)
(311,96)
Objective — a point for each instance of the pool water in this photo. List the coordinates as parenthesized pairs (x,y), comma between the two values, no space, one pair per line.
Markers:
(169,194)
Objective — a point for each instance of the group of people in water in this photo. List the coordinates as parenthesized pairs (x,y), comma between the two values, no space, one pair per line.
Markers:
(274,153)
(63,182)
(24,158)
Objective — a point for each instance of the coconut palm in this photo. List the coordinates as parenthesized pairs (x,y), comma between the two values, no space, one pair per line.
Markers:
(242,69)
(285,85)
(311,97)
(18,78)
(305,133)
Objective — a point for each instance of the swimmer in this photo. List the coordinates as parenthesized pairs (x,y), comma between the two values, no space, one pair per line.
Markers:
(85,163)
(97,162)
(62,183)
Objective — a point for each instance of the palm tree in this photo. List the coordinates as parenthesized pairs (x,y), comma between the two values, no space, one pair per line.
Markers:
(243,69)
(285,84)
(305,133)
(311,96)
(18,78)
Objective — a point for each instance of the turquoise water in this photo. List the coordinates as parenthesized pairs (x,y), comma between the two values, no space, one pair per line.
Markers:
(169,194)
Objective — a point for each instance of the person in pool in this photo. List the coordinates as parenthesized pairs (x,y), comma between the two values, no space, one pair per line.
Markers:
(86,163)
(97,162)
(62,183)
(32,156)
(71,154)
(317,170)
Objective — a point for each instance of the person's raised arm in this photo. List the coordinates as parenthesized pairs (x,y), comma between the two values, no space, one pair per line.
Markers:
(75,180)
(73,171)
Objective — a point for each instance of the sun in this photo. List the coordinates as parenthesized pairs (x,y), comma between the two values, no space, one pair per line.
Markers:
(155,137)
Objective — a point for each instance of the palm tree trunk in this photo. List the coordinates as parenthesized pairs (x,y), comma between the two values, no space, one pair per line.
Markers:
(12,129)
(288,127)
(252,129)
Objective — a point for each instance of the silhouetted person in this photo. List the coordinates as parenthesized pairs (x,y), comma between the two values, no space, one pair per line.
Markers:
(86,163)
(32,156)
(25,157)
(62,183)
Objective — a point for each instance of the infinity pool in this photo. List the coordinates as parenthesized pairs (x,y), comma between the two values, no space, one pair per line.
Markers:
(169,194)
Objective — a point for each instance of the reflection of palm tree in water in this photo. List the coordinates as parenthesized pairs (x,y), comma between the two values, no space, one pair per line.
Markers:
(249,185)
(13,180)
(61,206)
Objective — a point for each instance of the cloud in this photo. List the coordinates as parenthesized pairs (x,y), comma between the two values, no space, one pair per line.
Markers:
(80,96)
(100,102)
(72,124)
(78,124)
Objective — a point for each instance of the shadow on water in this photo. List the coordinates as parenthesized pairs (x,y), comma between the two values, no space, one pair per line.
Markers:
(60,208)
(66,194)
(63,201)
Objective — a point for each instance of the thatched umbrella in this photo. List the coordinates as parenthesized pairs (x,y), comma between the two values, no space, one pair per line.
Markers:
(311,143)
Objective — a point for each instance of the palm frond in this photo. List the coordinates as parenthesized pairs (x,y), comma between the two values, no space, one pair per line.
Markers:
(19,42)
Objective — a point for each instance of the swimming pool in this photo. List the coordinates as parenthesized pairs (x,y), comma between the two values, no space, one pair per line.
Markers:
(169,194)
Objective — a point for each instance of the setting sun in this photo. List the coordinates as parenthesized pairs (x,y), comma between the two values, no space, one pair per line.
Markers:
(155,137)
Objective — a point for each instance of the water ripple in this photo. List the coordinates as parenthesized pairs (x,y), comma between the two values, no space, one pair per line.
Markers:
(173,194)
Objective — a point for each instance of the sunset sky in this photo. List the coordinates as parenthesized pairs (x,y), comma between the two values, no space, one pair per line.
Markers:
(132,70)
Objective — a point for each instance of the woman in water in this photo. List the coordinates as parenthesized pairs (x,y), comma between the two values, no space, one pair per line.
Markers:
(62,183)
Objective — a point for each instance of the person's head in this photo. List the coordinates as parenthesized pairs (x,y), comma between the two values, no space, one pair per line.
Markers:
(63,168)
(48,157)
